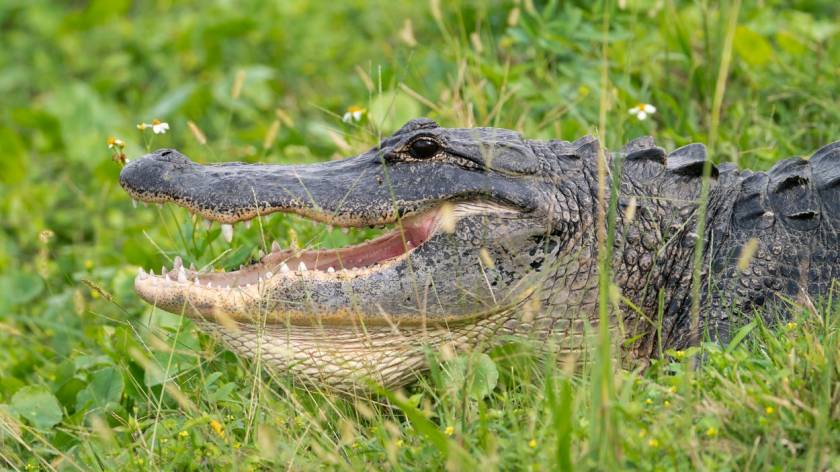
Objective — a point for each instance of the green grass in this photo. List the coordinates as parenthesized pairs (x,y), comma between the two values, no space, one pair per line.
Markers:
(91,378)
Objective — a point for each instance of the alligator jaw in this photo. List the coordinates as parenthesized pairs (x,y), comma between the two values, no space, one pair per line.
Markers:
(205,295)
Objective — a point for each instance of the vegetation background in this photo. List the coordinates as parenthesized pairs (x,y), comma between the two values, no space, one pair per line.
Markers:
(91,378)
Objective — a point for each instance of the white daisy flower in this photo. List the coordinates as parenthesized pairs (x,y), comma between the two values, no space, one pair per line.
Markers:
(159,127)
(642,111)
(353,114)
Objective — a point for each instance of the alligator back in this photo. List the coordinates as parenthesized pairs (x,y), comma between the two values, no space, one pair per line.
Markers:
(786,223)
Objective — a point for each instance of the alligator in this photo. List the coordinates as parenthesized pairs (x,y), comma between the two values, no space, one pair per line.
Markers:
(496,237)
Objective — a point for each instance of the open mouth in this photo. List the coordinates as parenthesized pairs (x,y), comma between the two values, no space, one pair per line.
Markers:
(408,234)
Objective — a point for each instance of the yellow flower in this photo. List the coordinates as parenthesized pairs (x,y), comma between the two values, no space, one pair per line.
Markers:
(648,401)
(769,410)
(449,431)
(642,111)
(712,432)
(666,403)
(399,443)
(142,126)
(353,113)
(653,442)
(532,444)
(183,434)
(217,427)
(790,326)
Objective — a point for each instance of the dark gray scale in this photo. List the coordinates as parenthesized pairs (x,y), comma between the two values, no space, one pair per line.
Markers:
(643,160)
(689,161)
(751,210)
(792,195)
(825,257)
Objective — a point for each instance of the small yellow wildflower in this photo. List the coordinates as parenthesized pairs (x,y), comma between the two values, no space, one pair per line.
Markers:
(399,443)
(217,427)
(449,431)
(532,443)
(142,126)
(672,389)
(642,111)
(353,113)
(679,355)
(653,442)
(648,401)
(666,403)
(183,434)
(642,432)
(769,410)
(712,432)
(88,264)
(790,326)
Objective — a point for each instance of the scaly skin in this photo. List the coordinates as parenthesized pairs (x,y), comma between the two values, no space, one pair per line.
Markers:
(495,238)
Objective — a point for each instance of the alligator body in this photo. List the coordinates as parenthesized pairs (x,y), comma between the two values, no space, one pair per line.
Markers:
(495,236)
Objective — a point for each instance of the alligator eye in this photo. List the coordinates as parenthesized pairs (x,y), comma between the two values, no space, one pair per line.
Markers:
(423,148)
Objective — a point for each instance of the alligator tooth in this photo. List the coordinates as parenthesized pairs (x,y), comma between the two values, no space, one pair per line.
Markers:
(166,277)
(260,254)
(268,275)
(227,232)
(192,266)
(182,275)
(284,268)
(241,266)
(302,267)
(145,205)
(209,284)
(141,274)
(275,247)
(248,224)
(163,270)
(197,283)
(133,203)
(152,272)
(178,262)
(330,270)
(345,230)
(208,224)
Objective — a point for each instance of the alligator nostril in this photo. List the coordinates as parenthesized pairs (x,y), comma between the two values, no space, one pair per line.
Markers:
(165,153)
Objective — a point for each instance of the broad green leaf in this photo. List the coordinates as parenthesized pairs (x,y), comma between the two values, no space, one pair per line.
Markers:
(477,372)
(19,287)
(752,47)
(106,386)
(38,406)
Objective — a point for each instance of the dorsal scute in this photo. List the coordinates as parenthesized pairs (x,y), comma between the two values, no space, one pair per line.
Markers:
(689,160)
(825,173)
(644,149)
(792,196)
(825,165)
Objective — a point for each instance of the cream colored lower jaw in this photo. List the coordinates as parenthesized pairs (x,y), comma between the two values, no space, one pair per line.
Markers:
(348,358)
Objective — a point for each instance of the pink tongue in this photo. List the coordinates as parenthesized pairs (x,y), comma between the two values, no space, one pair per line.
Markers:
(386,247)
(415,231)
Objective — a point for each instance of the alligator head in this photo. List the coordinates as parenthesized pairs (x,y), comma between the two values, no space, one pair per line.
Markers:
(471,211)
